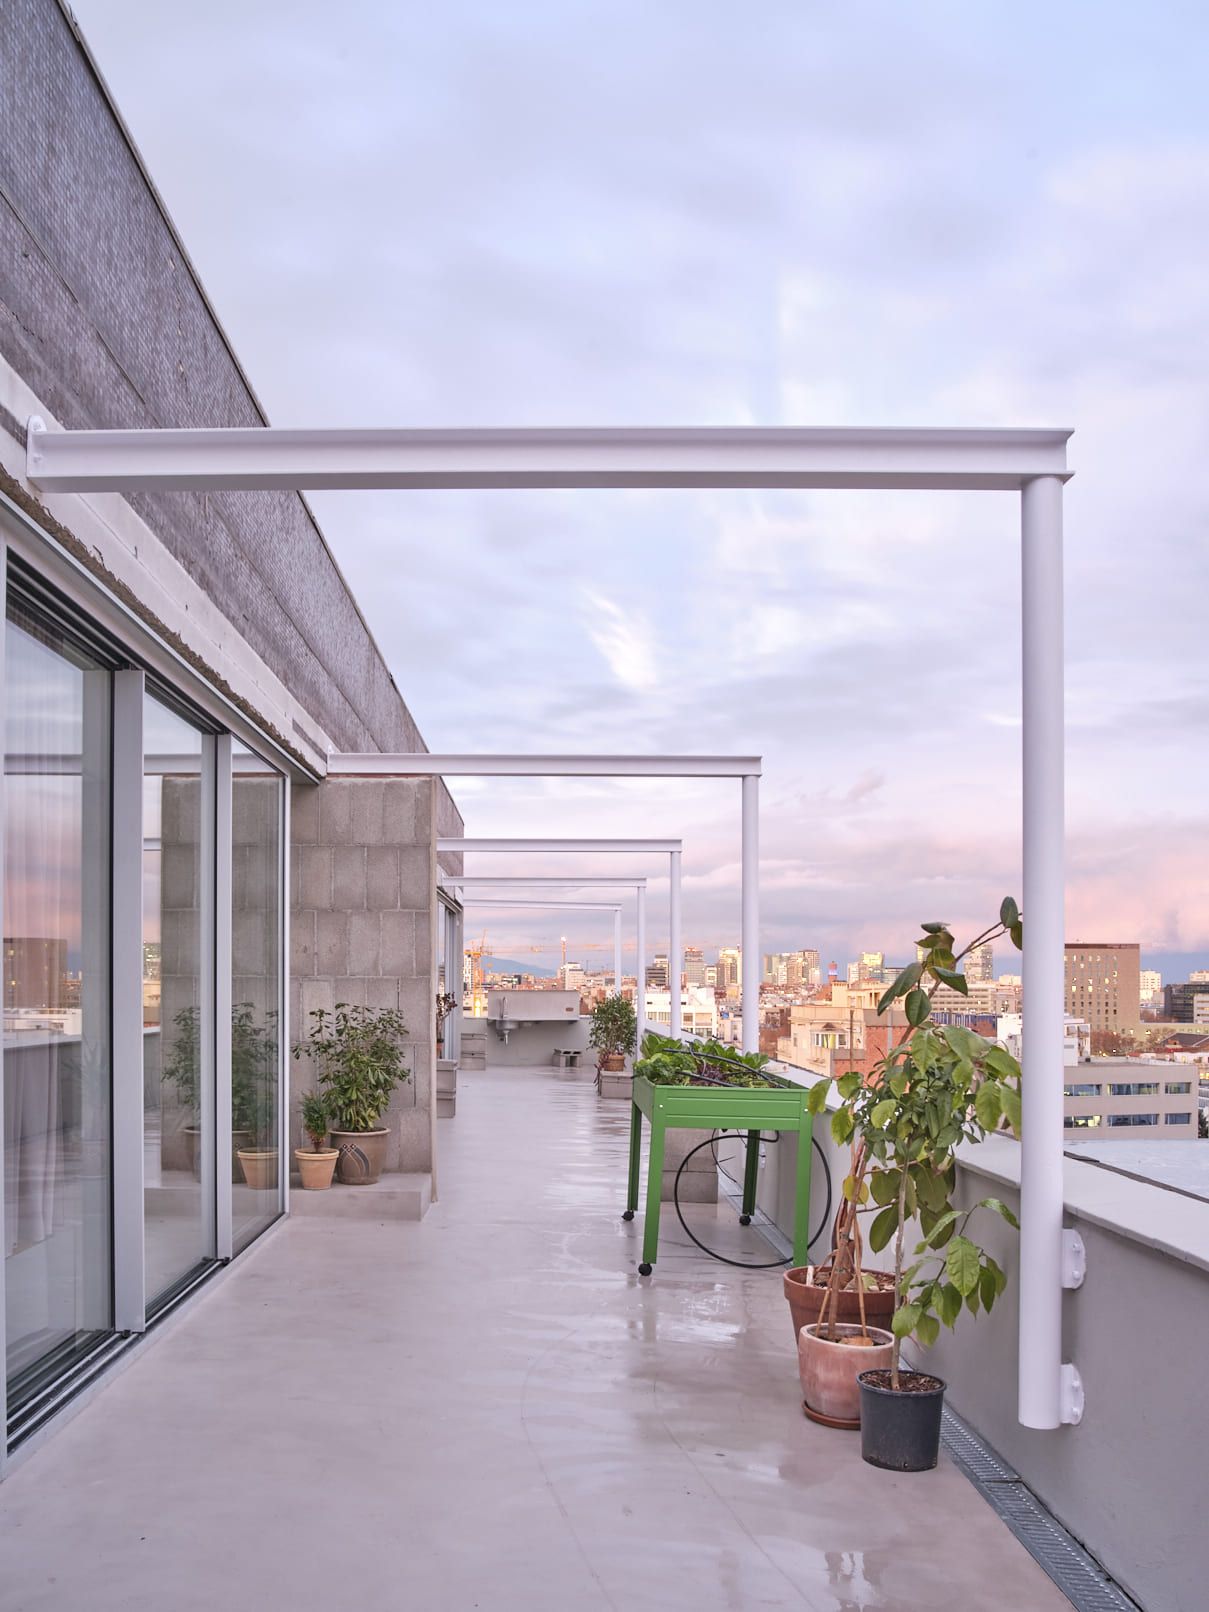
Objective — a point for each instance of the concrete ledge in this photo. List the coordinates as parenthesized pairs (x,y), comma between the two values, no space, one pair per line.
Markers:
(399,1195)
(616,1085)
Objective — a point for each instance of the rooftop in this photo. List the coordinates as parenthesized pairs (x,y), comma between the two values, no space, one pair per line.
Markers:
(489,1409)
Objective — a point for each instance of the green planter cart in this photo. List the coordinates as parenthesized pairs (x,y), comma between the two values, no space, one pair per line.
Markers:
(778,1107)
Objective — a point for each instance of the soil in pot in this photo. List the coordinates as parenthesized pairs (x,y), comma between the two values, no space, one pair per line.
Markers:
(259,1168)
(805,1285)
(316,1169)
(362,1155)
(829,1369)
(900,1428)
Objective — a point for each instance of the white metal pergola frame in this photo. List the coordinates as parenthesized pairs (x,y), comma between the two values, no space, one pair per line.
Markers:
(672,849)
(1029,462)
(469,885)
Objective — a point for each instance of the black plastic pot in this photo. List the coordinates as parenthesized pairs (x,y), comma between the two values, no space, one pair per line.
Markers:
(901,1431)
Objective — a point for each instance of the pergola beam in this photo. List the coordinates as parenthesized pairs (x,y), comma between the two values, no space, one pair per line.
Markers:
(269,457)
(424,764)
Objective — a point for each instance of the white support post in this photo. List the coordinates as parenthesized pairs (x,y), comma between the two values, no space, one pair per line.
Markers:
(1041,1162)
(126,1002)
(675,951)
(617,952)
(640,969)
(749,938)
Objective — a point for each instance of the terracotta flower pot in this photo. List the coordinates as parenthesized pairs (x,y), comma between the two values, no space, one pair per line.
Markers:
(362,1155)
(316,1169)
(804,1287)
(259,1167)
(829,1371)
(613,1062)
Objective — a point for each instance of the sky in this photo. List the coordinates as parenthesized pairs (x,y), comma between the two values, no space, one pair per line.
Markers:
(778,214)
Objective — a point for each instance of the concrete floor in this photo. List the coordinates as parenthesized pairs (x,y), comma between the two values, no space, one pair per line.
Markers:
(490,1409)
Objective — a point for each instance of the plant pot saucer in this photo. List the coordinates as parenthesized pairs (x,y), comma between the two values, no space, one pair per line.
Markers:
(844,1423)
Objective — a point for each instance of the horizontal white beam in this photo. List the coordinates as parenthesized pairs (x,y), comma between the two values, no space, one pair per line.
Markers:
(264,457)
(422,764)
(553,901)
(639,846)
(455,881)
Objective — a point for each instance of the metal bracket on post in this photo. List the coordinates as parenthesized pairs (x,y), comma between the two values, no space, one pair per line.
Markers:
(1074,1259)
(1071,1391)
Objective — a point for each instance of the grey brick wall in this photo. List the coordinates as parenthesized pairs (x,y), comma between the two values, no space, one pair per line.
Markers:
(102,315)
(361,928)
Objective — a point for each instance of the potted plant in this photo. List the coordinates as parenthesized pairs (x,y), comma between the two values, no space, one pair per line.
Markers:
(834,1282)
(254,1095)
(837,1342)
(358,1057)
(613,1032)
(939,1086)
(446,1002)
(316,1164)
(183,1070)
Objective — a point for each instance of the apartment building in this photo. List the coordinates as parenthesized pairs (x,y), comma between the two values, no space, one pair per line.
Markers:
(1103,984)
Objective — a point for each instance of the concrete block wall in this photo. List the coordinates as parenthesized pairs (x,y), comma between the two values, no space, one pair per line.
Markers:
(362,929)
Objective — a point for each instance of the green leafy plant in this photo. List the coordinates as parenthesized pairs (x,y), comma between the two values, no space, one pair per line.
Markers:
(614,1028)
(358,1057)
(940,1085)
(254,1074)
(313,1110)
(666,1061)
(183,1069)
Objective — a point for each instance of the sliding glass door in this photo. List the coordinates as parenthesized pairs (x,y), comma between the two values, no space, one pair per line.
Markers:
(179,1173)
(57,1066)
(143,982)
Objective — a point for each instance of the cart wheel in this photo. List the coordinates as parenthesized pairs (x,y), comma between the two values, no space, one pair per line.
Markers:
(628,1215)
(644,1270)
(745,1220)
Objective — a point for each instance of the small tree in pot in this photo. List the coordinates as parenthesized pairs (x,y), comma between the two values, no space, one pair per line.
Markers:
(254,1095)
(316,1164)
(614,1032)
(939,1086)
(358,1058)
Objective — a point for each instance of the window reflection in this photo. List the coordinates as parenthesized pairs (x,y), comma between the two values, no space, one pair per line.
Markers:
(57,1067)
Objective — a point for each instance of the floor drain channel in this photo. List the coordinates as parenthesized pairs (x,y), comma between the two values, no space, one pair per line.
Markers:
(1077,1574)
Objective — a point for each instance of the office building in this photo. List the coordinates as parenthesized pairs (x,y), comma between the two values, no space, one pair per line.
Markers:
(1103,984)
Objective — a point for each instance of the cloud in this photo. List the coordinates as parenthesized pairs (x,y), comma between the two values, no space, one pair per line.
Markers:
(472,215)
(624,639)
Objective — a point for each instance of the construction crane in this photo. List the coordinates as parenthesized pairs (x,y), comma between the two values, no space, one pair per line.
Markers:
(478,995)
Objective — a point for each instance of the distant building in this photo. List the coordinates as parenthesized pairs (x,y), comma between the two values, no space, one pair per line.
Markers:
(1180,1002)
(1103,984)
(1111,1099)
(730,967)
(1150,987)
(840,1029)
(35,972)
(694,966)
(979,964)
(698,1011)
(657,976)
(571,977)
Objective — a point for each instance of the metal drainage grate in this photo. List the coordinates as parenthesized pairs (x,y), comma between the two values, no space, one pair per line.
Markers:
(1077,1574)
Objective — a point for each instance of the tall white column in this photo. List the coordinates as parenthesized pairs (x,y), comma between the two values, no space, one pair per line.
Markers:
(675,951)
(1044,950)
(749,938)
(640,968)
(617,952)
